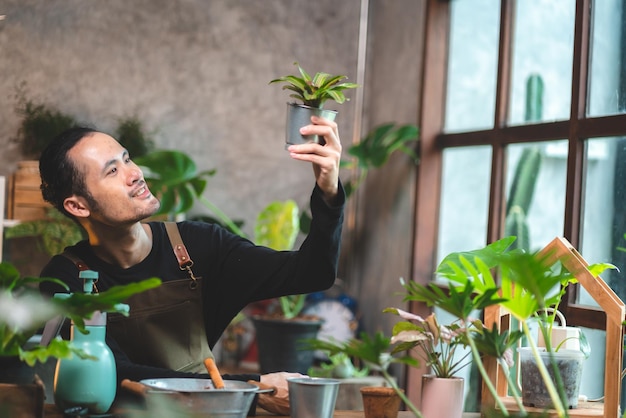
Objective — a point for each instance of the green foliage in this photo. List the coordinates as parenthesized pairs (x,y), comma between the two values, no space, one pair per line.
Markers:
(55,232)
(529,287)
(130,133)
(40,123)
(434,343)
(374,150)
(23,311)
(277,227)
(174,178)
(315,91)
(339,366)
(376,352)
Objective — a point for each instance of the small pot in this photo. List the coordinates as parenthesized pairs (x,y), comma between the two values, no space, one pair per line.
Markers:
(534,391)
(197,395)
(380,402)
(299,115)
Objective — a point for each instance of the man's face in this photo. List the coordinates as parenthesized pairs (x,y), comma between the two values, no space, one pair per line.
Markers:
(114,182)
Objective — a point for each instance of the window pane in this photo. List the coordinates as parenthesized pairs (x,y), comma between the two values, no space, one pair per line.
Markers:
(472,65)
(542,50)
(606,90)
(536,176)
(464,199)
(604,219)
(592,380)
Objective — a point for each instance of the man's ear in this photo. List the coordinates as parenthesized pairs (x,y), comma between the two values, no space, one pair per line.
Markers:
(76,206)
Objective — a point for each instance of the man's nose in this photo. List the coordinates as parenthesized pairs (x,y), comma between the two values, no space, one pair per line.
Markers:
(134,174)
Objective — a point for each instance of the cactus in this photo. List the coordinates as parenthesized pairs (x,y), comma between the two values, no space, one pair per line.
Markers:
(526,172)
(534,96)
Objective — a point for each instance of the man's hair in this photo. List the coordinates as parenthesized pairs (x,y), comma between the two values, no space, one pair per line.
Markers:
(60,178)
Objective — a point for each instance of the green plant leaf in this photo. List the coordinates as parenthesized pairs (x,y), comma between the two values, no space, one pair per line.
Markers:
(172,176)
(277,225)
(315,91)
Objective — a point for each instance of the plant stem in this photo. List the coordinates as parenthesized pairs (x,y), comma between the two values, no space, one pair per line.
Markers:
(512,386)
(486,378)
(223,217)
(401,394)
(547,380)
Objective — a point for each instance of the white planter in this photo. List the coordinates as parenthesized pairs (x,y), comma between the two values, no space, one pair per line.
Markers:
(442,397)
(534,392)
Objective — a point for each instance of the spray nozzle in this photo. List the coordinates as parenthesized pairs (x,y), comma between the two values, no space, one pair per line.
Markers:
(89,277)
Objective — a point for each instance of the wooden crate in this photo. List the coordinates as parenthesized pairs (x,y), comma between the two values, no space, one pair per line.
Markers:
(25,202)
(23,400)
(561,250)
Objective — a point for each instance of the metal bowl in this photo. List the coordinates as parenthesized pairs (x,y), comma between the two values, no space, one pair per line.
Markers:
(166,397)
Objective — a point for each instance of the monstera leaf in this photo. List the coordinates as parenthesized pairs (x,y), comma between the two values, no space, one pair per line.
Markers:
(173,177)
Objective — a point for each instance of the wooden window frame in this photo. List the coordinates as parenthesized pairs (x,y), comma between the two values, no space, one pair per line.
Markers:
(433,141)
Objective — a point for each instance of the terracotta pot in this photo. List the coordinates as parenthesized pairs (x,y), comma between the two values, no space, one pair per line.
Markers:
(380,402)
(442,397)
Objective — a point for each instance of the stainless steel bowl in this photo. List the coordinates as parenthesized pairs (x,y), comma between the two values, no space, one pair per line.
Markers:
(166,397)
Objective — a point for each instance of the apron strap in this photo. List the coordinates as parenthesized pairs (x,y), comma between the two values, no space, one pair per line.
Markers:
(180,251)
(80,265)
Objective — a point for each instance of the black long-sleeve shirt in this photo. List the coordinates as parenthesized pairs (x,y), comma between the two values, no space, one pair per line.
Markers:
(235,272)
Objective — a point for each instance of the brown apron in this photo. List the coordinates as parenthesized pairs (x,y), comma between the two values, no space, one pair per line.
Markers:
(165,327)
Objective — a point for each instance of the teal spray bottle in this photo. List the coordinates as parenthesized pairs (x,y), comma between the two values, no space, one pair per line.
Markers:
(87,382)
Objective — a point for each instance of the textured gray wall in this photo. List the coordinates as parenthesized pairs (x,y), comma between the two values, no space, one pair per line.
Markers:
(195,71)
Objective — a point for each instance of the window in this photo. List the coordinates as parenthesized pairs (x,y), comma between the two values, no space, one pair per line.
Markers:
(516,79)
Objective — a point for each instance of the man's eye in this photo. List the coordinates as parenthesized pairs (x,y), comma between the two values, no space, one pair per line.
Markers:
(113,171)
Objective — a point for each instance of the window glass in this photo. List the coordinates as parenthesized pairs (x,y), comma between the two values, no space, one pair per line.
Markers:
(542,58)
(606,90)
(604,211)
(464,199)
(591,382)
(536,177)
(472,65)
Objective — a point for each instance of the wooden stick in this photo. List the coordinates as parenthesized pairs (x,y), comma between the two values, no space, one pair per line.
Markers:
(216,377)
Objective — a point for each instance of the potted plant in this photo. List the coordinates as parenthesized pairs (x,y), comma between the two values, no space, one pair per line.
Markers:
(529,285)
(54,232)
(131,135)
(24,311)
(438,347)
(281,330)
(174,178)
(313,92)
(278,224)
(377,353)
(40,122)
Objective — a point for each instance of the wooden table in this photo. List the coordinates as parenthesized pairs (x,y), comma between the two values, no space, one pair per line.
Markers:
(51,411)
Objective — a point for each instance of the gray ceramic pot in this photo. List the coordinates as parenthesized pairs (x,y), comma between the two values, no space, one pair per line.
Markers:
(299,115)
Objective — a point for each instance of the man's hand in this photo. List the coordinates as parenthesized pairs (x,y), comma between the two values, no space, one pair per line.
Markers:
(277,403)
(325,158)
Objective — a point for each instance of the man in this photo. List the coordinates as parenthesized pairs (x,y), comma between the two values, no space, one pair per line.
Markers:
(208,274)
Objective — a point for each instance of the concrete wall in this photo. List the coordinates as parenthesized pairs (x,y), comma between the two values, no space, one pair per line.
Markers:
(382,239)
(195,71)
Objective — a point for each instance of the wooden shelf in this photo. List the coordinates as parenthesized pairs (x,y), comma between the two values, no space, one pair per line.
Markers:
(584,410)
(561,250)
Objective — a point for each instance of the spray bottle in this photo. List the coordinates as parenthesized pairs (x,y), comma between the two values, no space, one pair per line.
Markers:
(87,382)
